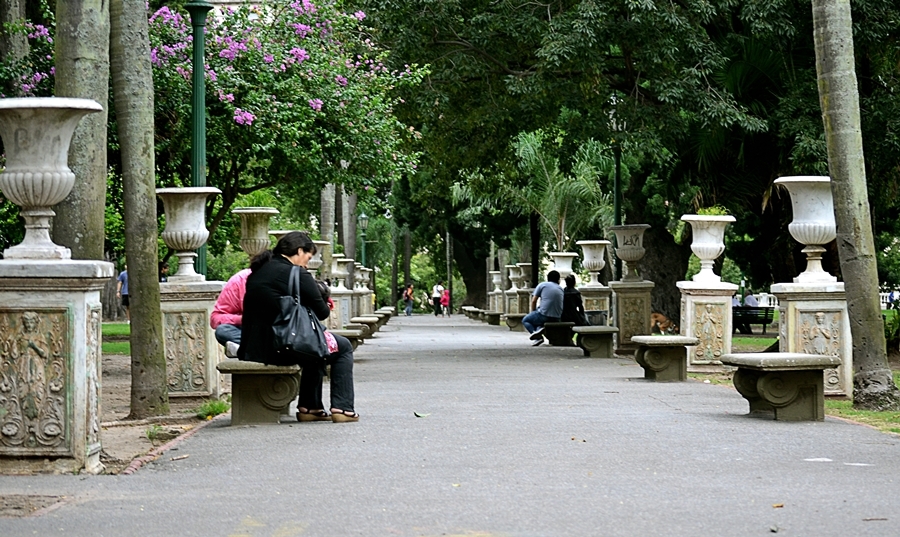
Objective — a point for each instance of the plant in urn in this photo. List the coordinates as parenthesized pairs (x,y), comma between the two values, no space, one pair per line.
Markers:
(185,226)
(255,228)
(813,224)
(708,243)
(594,259)
(36,134)
(630,249)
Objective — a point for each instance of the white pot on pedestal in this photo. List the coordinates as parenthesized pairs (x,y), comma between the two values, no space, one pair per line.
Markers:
(36,134)
(496,279)
(255,228)
(343,271)
(513,271)
(185,226)
(562,263)
(277,234)
(709,242)
(594,259)
(525,275)
(630,249)
(316,260)
(813,224)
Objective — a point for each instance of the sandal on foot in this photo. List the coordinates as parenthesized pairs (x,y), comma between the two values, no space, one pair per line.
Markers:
(312,415)
(343,416)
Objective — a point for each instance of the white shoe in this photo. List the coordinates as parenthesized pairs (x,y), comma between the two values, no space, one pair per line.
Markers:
(537,334)
(231,349)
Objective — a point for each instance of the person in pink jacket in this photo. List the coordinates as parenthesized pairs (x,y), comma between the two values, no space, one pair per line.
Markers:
(228,311)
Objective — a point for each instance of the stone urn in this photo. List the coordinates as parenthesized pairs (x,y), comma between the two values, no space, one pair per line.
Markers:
(709,242)
(594,259)
(813,224)
(525,275)
(316,261)
(343,271)
(630,249)
(36,134)
(255,228)
(365,278)
(513,271)
(277,234)
(562,263)
(496,279)
(185,227)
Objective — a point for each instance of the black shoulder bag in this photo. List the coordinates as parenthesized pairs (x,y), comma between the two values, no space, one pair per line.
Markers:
(296,329)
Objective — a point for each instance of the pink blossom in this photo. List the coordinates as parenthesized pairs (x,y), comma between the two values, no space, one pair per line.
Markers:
(268,58)
(315,104)
(242,117)
(341,80)
(299,54)
(359,15)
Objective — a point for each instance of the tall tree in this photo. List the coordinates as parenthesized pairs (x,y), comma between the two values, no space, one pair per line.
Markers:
(873,385)
(13,43)
(82,70)
(132,79)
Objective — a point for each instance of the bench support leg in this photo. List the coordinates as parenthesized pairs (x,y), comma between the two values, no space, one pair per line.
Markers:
(595,345)
(663,364)
(788,395)
(261,398)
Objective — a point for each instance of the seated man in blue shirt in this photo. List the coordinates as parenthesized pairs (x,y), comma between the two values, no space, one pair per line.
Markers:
(549,310)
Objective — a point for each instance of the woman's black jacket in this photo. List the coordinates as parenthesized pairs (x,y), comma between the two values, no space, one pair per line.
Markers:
(265,286)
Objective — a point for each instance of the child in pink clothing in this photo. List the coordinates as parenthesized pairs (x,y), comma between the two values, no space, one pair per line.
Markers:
(445,302)
(226,316)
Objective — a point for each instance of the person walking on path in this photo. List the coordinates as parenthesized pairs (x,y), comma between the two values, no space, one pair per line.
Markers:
(408,299)
(269,280)
(445,302)
(436,293)
(226,315)
(549,309)
(573,305)
(122,292)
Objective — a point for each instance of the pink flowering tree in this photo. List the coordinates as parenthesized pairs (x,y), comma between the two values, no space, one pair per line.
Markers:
(292,90)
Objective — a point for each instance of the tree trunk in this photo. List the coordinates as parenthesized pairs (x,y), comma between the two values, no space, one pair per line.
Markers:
(394,265)
(13,46)
(407,256)
(473,275)
(664,263)
(132,79)
(873,385)
(535,232)
(82,70)
(326,228)
(348,237)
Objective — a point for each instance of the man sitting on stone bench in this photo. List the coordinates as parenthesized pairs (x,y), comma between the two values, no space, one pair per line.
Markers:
(547,311)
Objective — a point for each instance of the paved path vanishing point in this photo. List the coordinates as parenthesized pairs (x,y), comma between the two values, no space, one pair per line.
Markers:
(516,441)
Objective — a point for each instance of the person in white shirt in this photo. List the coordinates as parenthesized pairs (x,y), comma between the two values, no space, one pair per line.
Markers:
(436,293)
(750,300)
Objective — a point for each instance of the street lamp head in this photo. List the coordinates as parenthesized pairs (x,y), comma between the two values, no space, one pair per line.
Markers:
(363,221)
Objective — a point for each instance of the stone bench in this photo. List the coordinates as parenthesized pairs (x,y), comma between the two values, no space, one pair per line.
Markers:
(664,358)
(788,385)
(370,321)
(559,334)
(356,337)
(382,318)
(260,393)
(364,328)
(514,321)
(467,310)
(492,317)
(385,311)
(595,341)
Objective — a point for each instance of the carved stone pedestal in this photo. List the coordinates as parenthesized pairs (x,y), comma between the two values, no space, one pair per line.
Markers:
(342,312)
(497,301)
(50,364)
(524,298)
(192,351)
(631,307)
(596,298)
(813,320)
(511,298)
(706,315)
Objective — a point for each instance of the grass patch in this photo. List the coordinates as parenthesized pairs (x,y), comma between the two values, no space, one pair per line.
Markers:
(116,329)
(751,344)
(116,347)
(212,408)
(153,432)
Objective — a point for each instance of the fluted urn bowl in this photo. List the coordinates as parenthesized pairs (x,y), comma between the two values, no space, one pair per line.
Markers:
(709,242)
(342,272)
(514,272)
(255,228)
(594,259)
(316,260)
(813,224)
(525,274)
(562,263)
(630,248)
(36,133)
(185,226)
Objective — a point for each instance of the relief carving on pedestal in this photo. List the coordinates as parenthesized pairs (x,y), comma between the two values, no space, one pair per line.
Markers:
(595,303)
(634,318)
(820,333)
(186,351)
(33,387)
(709,329)
(93,368)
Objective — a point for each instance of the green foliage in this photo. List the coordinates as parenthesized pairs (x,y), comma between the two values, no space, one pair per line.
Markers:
(116,330)
(117,347)
(225,264)
(153,432)
(715,210)
(892,328)
(212,408)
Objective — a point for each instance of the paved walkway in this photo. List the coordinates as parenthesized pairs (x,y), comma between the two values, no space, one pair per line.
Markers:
(517,441)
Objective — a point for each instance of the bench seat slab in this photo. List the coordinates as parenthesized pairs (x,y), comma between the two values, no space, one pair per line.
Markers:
(595,341)
(560,334)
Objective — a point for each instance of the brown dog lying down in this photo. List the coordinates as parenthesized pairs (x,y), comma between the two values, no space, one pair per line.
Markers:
(660,324)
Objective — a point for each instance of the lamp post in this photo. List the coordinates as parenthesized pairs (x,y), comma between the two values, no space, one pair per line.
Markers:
(617,127)
(198,10)
(363,224)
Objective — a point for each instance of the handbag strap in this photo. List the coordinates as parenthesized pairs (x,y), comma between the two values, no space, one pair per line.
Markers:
(294,283)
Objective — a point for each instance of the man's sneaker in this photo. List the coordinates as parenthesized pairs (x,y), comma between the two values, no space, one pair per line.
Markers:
(231,349)
(537,342)
(537,333)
